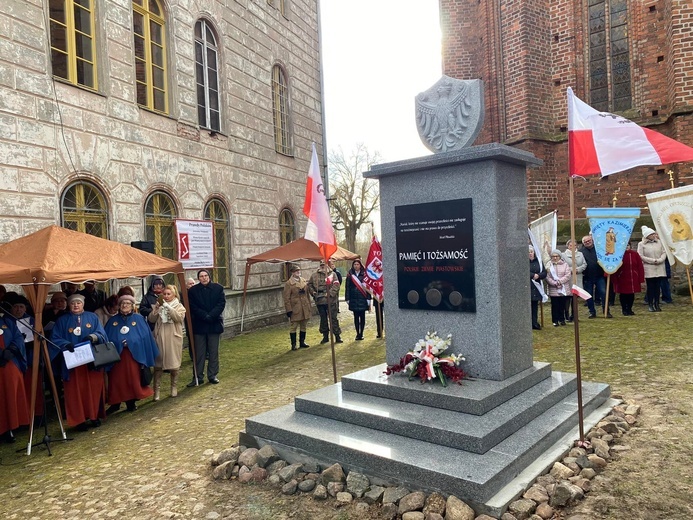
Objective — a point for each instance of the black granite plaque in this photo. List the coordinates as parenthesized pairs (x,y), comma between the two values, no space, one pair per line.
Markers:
(435,256)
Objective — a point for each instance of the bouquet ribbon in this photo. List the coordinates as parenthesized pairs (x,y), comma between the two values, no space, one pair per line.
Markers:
(426,355)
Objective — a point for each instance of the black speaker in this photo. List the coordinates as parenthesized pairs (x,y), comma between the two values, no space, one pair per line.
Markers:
(144,245)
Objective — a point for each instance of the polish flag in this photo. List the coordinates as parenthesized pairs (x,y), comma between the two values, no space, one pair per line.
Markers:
(604,143)
(319,228)
(580,292)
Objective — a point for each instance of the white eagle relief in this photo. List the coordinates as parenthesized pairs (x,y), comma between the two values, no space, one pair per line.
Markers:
(449,115)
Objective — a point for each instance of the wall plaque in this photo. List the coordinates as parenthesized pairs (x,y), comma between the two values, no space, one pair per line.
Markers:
(435,256)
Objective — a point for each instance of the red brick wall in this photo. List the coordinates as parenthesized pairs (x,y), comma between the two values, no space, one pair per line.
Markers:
(529,51)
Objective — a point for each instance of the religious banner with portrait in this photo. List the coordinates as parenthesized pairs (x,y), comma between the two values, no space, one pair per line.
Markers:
(435,256)
(672,213)
(611,231)
(543,231)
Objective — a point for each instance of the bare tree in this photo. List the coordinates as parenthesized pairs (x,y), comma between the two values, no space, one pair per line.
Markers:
(352,198)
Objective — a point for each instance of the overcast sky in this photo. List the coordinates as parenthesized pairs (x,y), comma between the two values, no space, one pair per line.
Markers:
(377,55)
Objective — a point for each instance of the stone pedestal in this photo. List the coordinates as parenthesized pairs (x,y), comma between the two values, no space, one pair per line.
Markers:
(497,338)
(514,417)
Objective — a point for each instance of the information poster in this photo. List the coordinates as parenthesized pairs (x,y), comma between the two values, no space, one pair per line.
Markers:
(195,239)
(435,256)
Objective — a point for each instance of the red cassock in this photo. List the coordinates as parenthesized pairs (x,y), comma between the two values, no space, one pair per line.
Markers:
(85,395)
(14,409)
(124,380)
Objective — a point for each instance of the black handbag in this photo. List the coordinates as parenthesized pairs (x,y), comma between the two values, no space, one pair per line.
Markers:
(145,376)
(105,354)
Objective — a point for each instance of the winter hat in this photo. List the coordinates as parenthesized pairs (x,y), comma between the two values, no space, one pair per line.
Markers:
(75,296)
(555,252)
(126,298)
(647,231)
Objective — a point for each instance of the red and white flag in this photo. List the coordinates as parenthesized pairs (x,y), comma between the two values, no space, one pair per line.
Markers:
(373,278)
(319,228)
(604,143)
(576,289)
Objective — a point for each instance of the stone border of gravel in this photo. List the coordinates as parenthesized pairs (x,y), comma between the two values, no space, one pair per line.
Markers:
(566,483)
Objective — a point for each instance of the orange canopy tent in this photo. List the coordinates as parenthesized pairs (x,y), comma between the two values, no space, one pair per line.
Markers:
(55,254)
(296,251)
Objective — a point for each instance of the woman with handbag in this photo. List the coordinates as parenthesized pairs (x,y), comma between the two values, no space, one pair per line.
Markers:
(129,379)
(168,317)
(84,386)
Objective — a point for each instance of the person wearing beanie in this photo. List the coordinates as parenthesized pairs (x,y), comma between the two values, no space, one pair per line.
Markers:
(152,297)
(558,279)
(653,256)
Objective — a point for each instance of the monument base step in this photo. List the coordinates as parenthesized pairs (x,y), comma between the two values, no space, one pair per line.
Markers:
(390,458)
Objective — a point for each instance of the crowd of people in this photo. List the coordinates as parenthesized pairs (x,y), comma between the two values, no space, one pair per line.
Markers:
(647,264)
(148,339)
(323,286)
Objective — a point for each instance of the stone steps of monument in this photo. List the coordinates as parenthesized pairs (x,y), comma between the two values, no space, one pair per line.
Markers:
(477,396)
(416,463)
(474,433)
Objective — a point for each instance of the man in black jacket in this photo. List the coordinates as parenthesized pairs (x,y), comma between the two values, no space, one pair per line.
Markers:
(207,302)
(593,280)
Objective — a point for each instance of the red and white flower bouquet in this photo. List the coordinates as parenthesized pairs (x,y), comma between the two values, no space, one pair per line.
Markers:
(427,361)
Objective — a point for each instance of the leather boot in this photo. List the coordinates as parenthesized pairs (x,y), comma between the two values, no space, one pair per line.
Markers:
(338,338)
(292,335)
(650,307)
(174,383)
(157,383)
(657,307)
(325,338)
(302,340)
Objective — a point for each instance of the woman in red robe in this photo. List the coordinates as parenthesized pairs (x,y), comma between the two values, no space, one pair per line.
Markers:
(14,410)
(85,388)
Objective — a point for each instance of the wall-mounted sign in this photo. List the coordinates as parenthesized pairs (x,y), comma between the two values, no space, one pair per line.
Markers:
(195,241)
(435,256)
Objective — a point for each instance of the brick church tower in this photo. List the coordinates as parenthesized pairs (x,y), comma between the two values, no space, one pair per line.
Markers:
(634,58)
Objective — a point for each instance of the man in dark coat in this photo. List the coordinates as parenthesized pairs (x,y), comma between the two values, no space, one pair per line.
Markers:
(207,302)
(93,298)
(593,280)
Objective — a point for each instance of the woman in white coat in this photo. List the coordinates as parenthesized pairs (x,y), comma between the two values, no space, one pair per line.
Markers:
(168,316)
(653,256)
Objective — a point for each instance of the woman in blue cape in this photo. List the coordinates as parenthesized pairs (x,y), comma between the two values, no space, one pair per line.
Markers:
(130,333)
(14,410)
(84,386)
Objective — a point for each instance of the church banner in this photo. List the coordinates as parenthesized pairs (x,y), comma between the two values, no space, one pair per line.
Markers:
(672,213)
(543,230)
(195,241)
(611,231)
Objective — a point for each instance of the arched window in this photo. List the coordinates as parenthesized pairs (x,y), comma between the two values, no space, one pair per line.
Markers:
(280,104)
(610,85)
(73,50)
(287,233)
(83,208)
(216,212)
(159,215)
(207,74)
(148,27)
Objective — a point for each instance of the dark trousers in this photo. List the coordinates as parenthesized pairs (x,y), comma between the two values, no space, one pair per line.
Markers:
(359,321)
(626,303)
(324,324)
(596,288)
(666,290)
(558,309)
(206,344)
(378,316)
(653,287)
(535,313)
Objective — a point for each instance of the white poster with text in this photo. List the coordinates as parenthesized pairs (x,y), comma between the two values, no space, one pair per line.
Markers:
(195,239)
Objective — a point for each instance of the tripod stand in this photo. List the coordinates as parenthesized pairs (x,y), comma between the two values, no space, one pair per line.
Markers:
(40,341)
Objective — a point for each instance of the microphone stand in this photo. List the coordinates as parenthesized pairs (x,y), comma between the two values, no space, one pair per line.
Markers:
(46,436)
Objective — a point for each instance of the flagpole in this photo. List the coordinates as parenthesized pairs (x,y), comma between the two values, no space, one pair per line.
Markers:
(576,321)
